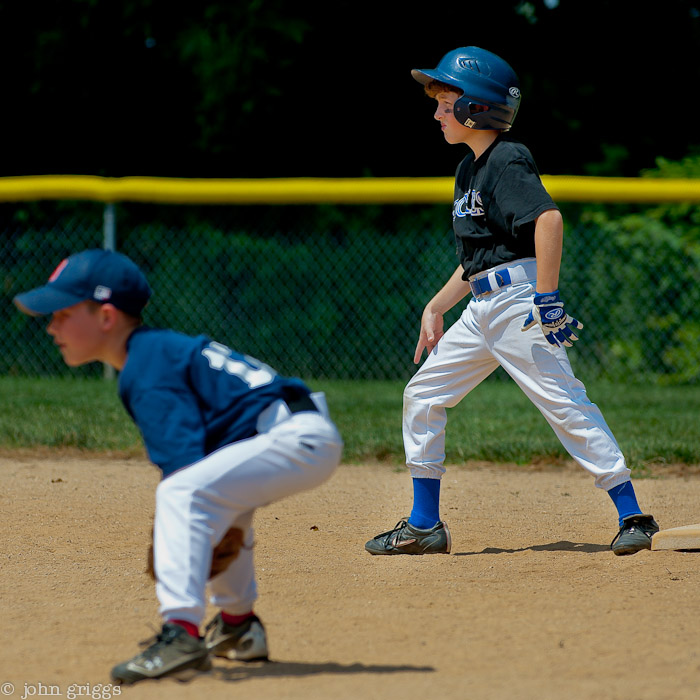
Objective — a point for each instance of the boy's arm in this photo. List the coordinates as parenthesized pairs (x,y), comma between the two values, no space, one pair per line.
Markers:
(548,310)
(431,327)
(549,234)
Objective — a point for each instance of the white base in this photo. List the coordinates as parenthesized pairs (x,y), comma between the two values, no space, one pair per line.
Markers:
(686,537)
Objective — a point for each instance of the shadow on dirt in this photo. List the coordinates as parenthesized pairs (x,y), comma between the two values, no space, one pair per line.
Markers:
(561,546)
(293,668)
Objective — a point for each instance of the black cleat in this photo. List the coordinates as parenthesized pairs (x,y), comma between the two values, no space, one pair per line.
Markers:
(244,642)
(406,539)
(174,653)
(634,535)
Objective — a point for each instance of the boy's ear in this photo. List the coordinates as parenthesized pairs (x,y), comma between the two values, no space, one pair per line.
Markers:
(109,315)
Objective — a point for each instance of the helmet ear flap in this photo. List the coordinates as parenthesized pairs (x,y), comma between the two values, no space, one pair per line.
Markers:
(466,111)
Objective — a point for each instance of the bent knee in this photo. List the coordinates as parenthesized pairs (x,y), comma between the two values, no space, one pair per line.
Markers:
(410,392)
(419,392)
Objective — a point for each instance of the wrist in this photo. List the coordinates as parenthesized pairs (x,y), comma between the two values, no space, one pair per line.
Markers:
(545,298)
(433,309)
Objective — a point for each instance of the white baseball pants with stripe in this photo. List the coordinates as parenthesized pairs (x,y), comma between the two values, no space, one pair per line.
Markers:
(487,335)
(196,505)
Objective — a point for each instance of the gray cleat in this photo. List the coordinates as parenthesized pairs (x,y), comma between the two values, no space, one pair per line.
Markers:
(244,642)
(406,539)
(174,653)
(635,534)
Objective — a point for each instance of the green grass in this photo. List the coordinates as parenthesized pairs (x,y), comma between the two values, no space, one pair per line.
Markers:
(496,422)
(82,413)
(654,425)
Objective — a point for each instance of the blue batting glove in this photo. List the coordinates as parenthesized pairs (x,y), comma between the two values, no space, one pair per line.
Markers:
(548,312)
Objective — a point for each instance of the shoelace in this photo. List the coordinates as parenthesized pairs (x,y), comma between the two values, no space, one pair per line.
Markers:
(630,528)
(399,526)
(218,622)
(159,639)
(213,624)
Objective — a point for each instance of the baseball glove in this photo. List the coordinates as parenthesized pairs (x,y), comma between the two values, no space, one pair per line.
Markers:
(224,553)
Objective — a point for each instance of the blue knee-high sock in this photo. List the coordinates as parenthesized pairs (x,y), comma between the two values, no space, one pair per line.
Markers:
(426,503)
(625,500)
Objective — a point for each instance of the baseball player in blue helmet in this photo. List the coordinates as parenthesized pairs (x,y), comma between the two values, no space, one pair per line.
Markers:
(229,435)
(509,236)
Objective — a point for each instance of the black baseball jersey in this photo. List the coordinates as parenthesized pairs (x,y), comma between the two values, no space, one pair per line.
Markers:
(498,197)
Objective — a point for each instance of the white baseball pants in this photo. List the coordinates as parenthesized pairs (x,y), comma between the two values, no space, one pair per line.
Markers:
(487,335)
(196,505)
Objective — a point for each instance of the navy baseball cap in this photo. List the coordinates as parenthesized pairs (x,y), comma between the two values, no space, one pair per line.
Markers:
(93,275)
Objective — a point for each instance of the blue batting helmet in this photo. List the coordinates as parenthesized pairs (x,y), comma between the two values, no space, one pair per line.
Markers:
(485,80)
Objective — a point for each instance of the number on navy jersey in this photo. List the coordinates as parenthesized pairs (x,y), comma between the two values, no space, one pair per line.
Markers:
(247,369)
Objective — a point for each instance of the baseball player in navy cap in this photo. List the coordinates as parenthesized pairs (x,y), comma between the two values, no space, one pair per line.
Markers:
(509,236)
(229,435)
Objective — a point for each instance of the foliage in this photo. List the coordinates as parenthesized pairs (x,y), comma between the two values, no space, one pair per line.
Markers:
(646,266)
(322,291)
(337,291)
(268,88)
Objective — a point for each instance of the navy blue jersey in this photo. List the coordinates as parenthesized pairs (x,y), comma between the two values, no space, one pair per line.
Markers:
(497,197)
(190,396)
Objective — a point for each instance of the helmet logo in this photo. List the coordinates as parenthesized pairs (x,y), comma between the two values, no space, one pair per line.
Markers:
(514,92)
(478,66)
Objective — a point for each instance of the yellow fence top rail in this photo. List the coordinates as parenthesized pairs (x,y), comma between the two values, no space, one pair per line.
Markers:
(417,190)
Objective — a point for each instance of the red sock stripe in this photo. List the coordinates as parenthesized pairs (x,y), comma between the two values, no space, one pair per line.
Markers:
(235,619)
(191,628)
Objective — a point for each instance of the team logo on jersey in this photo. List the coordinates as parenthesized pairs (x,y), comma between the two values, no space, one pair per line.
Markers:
(469,205)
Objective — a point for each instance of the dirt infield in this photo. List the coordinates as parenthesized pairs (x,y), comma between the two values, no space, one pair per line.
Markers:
(530,605)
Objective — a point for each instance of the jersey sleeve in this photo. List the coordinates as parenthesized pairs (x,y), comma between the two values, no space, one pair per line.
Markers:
(522,197)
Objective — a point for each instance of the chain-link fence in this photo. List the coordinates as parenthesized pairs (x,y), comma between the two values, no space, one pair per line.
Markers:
(337,291)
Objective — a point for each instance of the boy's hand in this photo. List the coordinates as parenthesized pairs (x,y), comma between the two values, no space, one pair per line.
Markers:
(548,312)
(430,332)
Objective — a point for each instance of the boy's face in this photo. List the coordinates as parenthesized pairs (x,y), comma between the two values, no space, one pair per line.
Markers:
(78,332)
(453,131)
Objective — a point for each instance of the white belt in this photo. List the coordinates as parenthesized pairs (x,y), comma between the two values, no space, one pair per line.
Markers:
(488,281)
